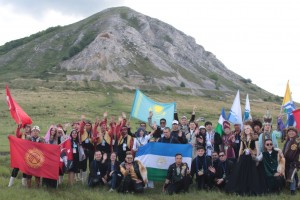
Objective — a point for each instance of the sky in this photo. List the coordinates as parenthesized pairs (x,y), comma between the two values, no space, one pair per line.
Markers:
(257,39)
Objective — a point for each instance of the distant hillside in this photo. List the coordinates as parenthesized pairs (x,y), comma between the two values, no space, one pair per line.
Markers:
(122,49)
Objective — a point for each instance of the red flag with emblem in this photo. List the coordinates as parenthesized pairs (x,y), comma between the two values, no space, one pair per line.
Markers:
(33,158)
(17,113)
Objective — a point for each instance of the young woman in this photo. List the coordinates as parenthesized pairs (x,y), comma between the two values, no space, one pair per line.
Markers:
(141,139)
(245,178)
(75,166)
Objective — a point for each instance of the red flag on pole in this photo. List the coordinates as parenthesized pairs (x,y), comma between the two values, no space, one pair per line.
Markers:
(17,113)
(37,159)
(296,114)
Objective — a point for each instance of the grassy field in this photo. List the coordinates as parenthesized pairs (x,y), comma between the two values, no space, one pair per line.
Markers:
(48,107)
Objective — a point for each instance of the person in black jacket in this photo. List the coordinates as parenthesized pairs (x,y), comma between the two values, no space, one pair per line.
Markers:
(168,138)
(224,170)
(178,177)
(113,174)
(202,167)
(98,169)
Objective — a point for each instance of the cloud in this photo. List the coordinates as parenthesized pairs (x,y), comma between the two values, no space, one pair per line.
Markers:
(66,7)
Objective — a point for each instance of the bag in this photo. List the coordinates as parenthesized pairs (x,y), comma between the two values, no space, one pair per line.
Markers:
(81,153)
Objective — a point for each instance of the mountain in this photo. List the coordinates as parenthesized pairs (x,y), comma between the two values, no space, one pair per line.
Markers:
(123,49)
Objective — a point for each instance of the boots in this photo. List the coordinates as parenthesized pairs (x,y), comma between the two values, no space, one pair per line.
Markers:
(11,181)
(83,178)
(60,180)
(24,182)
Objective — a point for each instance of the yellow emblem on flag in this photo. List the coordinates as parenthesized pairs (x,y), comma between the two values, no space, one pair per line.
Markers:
(34,158)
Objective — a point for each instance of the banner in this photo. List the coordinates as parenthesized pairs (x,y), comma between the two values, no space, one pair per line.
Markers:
(219,127)
(288,106)
(143,104)
(235,115)
(17,113)
(157,157)
(247,115)
(33,158)
(296,114)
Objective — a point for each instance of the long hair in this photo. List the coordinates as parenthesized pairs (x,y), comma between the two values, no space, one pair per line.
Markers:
(243,134)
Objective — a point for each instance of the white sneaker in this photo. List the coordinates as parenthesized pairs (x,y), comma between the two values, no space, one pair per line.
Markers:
(110,190)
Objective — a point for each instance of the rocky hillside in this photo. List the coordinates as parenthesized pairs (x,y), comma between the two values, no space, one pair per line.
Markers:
(121,48)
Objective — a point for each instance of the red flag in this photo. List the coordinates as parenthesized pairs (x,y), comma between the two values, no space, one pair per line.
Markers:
(17,113)
(296,114)
(67,146)
(37,159)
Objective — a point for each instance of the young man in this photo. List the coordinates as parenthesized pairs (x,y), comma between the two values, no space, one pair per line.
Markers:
(98,169)
(134,175)
(213,140)
(203,169)
(178,178)
(167,138)
(291,153)
(274,167)
(158,129)
(223,171)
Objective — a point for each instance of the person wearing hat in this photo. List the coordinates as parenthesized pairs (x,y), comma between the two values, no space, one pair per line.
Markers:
(175,128)
(34,137)
(202,167)
(103,140)
(15,171)
(86,133)
(267,133)
(183,123)
(291,151)
(125,141)
(228,141)
(213,140)
(237,136)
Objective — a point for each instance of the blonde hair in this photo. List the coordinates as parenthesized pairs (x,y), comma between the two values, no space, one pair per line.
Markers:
(243,134)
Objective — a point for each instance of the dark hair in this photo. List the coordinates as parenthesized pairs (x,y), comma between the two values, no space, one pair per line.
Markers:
(200,147)
(268,140)
(128,153)
(207,123)
(178,154)
(163,119)
(220,152)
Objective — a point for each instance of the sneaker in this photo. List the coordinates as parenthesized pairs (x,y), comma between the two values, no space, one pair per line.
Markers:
(110,190)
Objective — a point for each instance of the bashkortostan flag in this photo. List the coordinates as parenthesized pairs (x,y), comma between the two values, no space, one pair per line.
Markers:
(157,157)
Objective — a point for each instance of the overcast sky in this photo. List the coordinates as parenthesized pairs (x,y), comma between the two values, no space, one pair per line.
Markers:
(258,39)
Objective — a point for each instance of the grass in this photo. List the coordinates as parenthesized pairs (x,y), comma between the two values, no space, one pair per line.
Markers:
(46,107)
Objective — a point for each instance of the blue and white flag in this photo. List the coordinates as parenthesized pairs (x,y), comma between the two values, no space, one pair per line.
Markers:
(247,115)
(157,157)
(143,104)
(235,115)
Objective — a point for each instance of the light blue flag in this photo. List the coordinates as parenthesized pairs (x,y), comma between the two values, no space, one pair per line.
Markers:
(235,115)
(247,115)
(157,157)
(143,104)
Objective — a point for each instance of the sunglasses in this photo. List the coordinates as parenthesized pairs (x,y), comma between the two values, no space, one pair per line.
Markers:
(269,144)
(162,122)
(221,155)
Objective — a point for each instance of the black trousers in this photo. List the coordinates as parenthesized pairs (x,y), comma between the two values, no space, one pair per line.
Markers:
(177,187)
(15,172)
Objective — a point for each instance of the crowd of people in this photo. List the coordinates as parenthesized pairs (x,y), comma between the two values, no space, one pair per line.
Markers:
(245,160)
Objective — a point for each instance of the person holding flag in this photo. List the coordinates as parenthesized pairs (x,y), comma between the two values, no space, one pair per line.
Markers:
(15,171)
(23,121)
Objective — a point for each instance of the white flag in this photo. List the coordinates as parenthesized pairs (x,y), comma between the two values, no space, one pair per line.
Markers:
(247,115)
(235,115)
